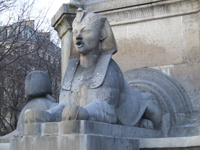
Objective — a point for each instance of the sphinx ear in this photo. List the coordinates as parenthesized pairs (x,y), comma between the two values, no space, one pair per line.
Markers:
(103,34)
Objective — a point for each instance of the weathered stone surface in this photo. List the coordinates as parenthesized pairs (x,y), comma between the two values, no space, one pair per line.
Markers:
(92,5)
(148,44)
(37,84)
(79,135)
(171,96)
(6,138)
(185,130)
(181,143)
(88,135)
(86,127)
(191,42)
(158,42)
(74,142)
(68,10)
(146,12)
(66,43)
(188,76)
(4,146)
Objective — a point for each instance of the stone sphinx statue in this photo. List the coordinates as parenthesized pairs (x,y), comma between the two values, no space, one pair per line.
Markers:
(38,95)
(93,86)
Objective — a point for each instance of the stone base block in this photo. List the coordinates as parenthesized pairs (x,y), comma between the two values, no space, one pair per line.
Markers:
(79,135)
(173,143)
(86,127)
(74,142)
(88,135)
(4,146)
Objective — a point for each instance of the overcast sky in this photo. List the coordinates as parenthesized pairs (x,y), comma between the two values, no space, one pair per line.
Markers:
(54,5)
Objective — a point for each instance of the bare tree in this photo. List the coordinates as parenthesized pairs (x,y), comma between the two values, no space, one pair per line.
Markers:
(5,4)
(24,47)
(14,27)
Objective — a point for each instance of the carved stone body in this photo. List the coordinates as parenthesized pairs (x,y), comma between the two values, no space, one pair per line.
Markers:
(113,99)
(93,87)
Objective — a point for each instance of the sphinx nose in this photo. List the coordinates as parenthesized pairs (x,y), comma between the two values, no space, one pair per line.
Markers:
(79,37)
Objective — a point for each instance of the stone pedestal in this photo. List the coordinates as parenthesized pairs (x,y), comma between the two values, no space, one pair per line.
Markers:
(88,135)
(75,142)
(79,135)
(4,146)
(179,143)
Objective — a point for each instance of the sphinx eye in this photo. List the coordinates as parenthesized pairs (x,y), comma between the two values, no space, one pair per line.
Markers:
(86,31)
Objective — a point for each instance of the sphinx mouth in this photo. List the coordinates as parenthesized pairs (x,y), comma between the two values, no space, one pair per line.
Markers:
(79,44)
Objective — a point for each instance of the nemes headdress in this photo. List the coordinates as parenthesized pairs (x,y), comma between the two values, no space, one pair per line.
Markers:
(108,48)
(100,23)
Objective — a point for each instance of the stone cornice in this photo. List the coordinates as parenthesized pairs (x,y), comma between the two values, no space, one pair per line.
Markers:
(69,8)
(64,17)
(64,24)
(152,11)
(125,12)
(103,5)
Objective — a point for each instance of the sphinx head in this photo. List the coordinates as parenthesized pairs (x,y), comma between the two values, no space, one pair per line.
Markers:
(37,84)
(92,33)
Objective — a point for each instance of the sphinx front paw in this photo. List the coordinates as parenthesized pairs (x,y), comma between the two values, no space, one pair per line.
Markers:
(73,112)
(145,123)
(34,115)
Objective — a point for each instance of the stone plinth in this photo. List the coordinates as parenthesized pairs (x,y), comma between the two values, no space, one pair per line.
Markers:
(80,135)
(4,146)
(180,143)
(87,127)
(88,135)
(74,142)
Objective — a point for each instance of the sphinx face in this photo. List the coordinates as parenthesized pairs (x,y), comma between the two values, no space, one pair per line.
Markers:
(86,39)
